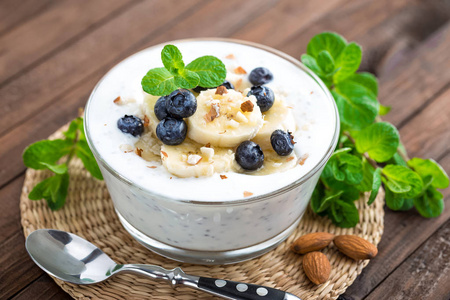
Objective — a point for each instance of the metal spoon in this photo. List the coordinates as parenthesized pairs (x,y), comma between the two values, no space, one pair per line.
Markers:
(71,258)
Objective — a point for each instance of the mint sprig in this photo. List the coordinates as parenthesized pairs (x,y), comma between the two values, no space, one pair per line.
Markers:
(49,154)
(364,142)
(206,71)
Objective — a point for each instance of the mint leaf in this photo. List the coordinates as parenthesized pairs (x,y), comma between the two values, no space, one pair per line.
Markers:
(172,59)
(393,201)
(430,204)
(317,197)
(47,152)
(344,214)
(402,180)
(384,110)
(86,156)
(329,41)
(311,63)
(210,69)
(58,169)
(159,82)
(53,189)
(366,80)
(366,183)
(426,167)
(326,202)
(325,61)
(347,62)
(71,132)
(357,108)
(187,79)
(376,184)
(380,140)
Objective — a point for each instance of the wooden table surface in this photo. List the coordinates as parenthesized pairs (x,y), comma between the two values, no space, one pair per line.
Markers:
(52,53)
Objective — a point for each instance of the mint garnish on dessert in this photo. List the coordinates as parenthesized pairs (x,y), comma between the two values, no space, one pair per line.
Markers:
(206,71)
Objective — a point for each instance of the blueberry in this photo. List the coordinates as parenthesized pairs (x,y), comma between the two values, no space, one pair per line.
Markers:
(282,142)
(181,103)
(160,108)
(249,155)
(264,97)
(130,124)
(260,76)
(228,85)
(171,131)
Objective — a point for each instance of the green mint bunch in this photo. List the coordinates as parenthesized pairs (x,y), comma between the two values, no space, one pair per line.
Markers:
(48,154)
(206,71)
(369,152)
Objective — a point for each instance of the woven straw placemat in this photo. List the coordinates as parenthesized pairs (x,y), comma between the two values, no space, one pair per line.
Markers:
(89,213)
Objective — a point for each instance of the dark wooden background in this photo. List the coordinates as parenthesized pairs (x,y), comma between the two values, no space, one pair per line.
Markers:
(52,53)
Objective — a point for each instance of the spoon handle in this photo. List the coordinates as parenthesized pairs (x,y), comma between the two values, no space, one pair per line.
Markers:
(219,287)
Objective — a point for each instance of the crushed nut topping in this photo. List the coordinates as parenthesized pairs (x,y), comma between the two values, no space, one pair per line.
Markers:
(303,159)
(221,90)
(240,70)
(213,113)
(126,148)
(247,194)
(289,158)
(194,159)
(247,106)
(164,153)
(208,145)
(117,100)
(223,177)
(230,56)
(146,121)
(152,167)
(139,151)
(292,138)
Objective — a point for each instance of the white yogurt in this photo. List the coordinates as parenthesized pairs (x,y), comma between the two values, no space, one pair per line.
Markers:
(155,204)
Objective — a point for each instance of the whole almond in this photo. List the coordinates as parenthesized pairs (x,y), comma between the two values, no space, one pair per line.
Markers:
(355,247)
(317,267)
(312,242)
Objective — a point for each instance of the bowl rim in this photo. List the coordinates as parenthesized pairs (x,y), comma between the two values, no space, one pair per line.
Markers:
(232,202)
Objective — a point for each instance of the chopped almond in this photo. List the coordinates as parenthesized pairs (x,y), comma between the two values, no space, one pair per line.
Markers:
(221,90)
(139,151)
(289,158)
(240,70)
(303,159)
(247,106)
(126,148)
(146,121)
(164,153)
(208,145)
(223,177)
(223,132)
(117,100)
(152,167)
(230,56)
(238,83)
(194,159)
(247,194)
(312,92)
(213,113)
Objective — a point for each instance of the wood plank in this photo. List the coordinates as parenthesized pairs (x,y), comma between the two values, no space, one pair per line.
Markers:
(60,23)
(13,12)
(9,202)
(16,267)
(284,19)
(39,125)
(427,269)
(42,288)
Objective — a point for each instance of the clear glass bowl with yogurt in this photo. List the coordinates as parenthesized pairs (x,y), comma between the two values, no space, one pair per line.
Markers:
(209,220)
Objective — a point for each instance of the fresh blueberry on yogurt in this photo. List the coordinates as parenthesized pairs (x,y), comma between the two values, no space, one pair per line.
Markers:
(260,76)
(264,97)
(131,124)
(160,108)
(282,142)
(249,156)
(171,131)
(181,103)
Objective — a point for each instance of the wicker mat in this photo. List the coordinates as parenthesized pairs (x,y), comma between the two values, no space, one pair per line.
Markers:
(89,213)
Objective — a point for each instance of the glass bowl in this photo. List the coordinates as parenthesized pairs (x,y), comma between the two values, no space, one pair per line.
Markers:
(210,232)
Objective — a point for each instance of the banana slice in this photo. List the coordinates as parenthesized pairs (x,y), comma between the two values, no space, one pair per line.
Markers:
(273,163)
(220,121)
(149,111)
(191,159)
(279,116)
